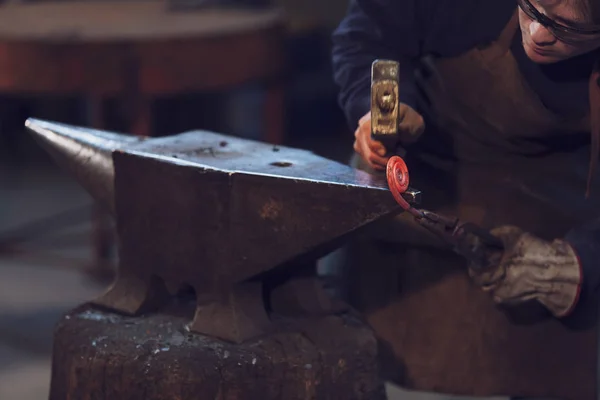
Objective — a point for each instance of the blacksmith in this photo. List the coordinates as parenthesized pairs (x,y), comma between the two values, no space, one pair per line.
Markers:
(500,118)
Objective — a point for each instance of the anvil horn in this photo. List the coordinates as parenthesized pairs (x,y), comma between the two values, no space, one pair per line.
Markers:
(86,154)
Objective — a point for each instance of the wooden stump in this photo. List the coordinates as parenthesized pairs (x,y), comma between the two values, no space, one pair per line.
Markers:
(101,355)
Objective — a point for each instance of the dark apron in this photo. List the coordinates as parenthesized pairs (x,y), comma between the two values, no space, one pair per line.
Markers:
(493,163)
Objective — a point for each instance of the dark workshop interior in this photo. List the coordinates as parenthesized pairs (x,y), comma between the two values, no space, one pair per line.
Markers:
(49,250)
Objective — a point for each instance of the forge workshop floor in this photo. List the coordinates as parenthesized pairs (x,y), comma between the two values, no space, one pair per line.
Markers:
(36,288)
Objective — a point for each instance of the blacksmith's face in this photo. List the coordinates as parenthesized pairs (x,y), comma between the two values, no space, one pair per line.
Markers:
(555,30)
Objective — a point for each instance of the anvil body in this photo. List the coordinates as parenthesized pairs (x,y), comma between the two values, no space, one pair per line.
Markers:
(218,214)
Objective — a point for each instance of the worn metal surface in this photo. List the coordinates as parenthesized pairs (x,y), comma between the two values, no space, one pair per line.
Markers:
(106,356)
(86,154)
(385,77)
(219,214)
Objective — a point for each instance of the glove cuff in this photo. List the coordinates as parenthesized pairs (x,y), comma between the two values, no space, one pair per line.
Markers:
(564,293)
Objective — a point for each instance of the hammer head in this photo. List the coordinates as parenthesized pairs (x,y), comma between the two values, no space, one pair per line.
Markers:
(384,101)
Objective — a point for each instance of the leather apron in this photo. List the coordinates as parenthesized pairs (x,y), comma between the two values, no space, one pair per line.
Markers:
(501,158)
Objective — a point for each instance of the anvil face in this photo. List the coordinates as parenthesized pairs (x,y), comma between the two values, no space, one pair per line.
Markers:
(219,210)
(215,212)
(206,150)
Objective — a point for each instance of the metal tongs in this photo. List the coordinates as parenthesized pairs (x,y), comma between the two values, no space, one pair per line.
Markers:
(469,240)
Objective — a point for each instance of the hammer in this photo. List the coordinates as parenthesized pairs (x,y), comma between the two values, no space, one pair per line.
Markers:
(385,84)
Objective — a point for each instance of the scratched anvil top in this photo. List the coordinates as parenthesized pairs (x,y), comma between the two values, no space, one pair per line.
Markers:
(210,150)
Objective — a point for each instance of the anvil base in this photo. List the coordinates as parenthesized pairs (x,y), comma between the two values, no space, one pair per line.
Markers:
(106,356)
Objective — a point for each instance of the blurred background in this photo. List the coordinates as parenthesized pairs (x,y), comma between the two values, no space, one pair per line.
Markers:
(252,68)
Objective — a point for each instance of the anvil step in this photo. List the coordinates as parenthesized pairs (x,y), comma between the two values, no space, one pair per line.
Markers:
(214,212)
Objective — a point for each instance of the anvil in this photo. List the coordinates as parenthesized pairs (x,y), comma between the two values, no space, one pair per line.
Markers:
(221,215)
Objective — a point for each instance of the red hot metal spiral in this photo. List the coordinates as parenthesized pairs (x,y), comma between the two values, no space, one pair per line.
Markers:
(398,181)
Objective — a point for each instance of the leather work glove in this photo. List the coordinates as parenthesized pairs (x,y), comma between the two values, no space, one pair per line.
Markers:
(532,269)
(410,128)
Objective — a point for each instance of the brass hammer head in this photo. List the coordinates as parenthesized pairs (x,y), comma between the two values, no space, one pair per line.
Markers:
(385,76)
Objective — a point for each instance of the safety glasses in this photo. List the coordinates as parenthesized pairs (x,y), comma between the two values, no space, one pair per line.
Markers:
(567,34)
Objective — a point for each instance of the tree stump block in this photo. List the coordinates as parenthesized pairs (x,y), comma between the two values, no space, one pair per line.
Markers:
(102,355)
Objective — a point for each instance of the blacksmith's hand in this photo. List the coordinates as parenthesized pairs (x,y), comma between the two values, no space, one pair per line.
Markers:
(532,269)
(410,128)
